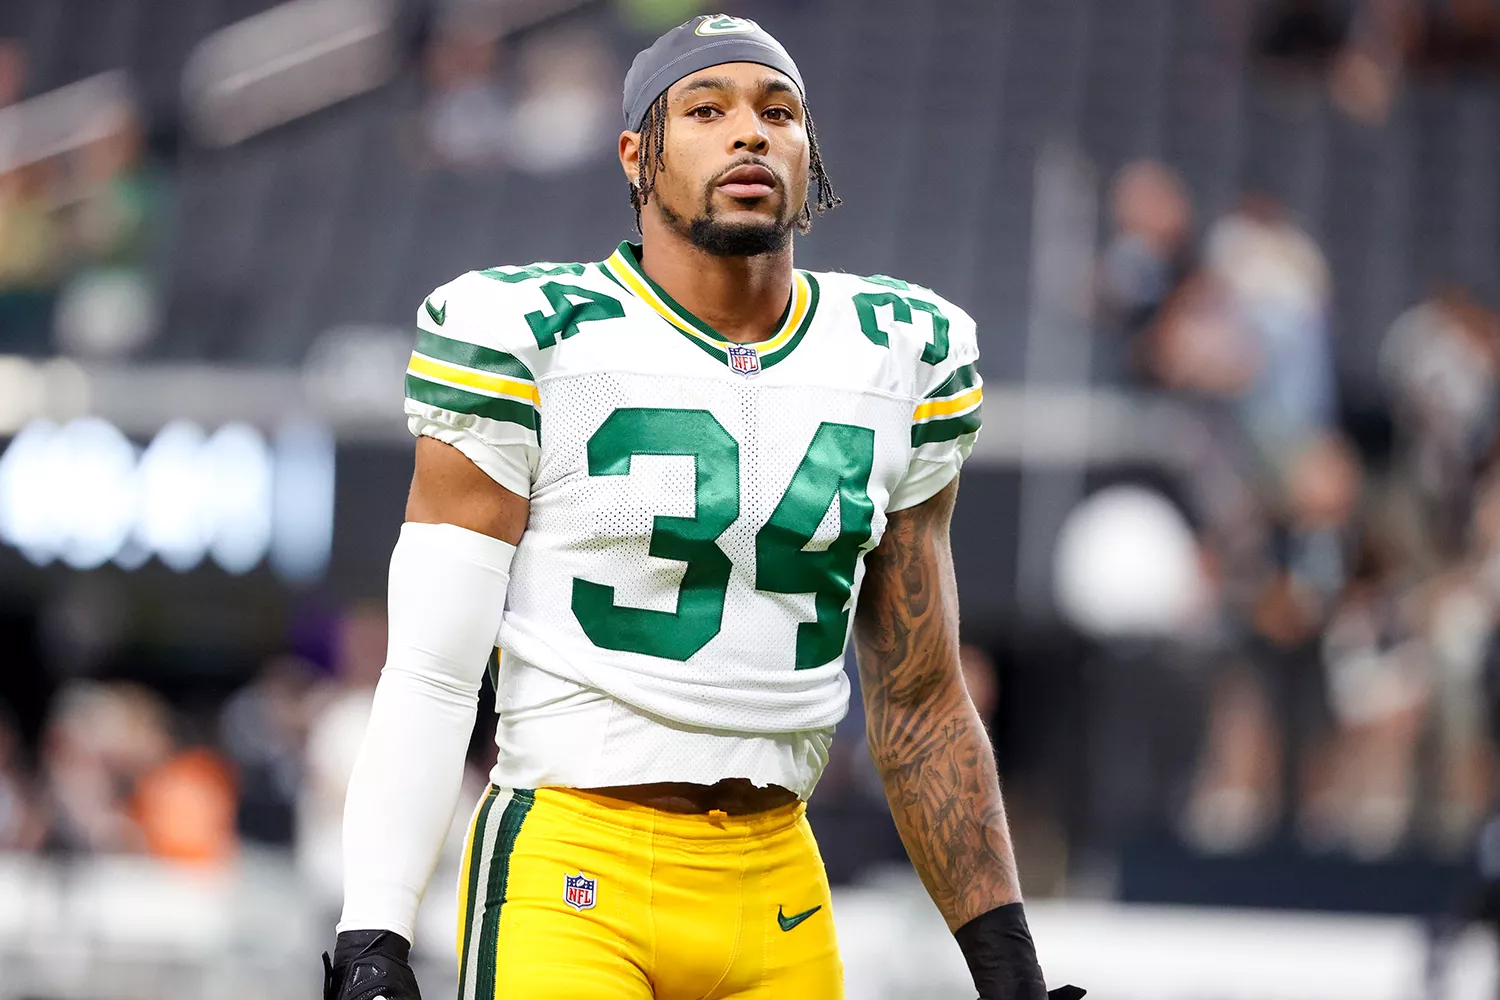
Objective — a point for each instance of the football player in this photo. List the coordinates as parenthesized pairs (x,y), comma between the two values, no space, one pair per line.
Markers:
(666,486)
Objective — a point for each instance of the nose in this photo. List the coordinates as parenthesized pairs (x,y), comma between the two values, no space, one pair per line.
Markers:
(748,134)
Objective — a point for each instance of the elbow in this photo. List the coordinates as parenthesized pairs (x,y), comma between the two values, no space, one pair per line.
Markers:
(430,681)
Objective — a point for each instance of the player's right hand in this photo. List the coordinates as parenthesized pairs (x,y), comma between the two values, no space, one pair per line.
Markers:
(369,965)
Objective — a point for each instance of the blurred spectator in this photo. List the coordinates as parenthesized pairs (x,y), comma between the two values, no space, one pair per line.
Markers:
(32,249)
(1462,37)
(1200,347)
(1440,363)
(338,721)
(980,680)
(264,730)
(12,71)
(1323,494)
(1299,34)
(185,807)
(1278,283)
(1265,720)
(1457,612)
(1367,73)
(21,823)
(1378,686)
(467,118)
(115,783)
(100,741)
(567,101)
(1149,255)
(108,306)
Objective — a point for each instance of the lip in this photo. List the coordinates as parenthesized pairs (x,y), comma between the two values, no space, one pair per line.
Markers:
(748,181)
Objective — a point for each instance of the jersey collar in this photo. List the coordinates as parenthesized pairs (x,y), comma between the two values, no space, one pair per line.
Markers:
(624,268)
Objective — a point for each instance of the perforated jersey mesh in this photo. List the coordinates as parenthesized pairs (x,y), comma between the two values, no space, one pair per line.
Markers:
(598,528)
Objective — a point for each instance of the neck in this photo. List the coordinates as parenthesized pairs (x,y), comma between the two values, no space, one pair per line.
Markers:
(743,298)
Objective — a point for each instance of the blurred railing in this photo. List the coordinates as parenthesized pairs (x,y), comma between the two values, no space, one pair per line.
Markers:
(131,929)
(1036,425)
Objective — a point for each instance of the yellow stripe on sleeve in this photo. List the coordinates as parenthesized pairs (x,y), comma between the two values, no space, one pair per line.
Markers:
(945,407)
(470,379)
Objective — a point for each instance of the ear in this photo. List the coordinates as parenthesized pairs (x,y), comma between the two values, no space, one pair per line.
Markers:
(630,155)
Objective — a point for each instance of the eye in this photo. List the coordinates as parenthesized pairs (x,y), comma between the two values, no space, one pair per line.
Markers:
(704,112)
(779,114)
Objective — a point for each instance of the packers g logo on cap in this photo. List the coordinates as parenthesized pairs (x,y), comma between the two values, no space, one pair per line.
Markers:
(723,24)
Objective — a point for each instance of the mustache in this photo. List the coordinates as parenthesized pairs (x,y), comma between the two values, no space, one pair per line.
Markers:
(748,161)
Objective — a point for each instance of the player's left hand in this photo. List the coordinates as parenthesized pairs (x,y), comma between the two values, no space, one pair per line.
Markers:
(369,965)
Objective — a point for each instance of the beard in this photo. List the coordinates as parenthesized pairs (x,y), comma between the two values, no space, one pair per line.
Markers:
(738,239)
(714,236)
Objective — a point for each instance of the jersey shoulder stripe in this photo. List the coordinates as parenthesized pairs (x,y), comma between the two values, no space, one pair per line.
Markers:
(966,377)
(951,410)
(943,344)
(475,356)
(461,352)
(466,378)
(946,420)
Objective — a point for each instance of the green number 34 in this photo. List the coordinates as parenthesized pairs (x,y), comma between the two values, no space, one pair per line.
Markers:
(835,469)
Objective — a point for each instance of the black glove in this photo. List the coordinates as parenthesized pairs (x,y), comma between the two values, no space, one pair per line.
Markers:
(369,965)
(997,946)
(1063,993)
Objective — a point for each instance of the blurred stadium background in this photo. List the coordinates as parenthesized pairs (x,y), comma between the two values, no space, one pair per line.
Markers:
(1229,549)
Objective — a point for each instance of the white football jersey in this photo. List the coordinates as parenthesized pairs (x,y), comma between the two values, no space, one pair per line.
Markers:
(700,510)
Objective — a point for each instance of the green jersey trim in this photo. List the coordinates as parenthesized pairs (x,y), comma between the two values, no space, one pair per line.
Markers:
(624,267)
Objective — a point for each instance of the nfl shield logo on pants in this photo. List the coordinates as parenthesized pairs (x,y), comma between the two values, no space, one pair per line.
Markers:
(744,360)
(578,891)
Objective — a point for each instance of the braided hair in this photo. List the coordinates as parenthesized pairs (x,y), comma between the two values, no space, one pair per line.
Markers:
(651,159)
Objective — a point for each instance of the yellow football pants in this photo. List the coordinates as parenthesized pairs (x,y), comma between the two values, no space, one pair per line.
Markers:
(566,895)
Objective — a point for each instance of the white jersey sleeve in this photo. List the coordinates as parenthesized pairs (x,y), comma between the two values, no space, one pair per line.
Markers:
(945,419)
(471,381)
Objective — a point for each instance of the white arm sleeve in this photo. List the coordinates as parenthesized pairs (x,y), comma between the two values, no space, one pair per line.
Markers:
(447,596)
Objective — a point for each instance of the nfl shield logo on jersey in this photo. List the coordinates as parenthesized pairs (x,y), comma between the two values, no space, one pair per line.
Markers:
(744,360)
(578,891)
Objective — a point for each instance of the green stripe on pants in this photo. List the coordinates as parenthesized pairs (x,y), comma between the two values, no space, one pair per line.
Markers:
(476,854)
(509,828)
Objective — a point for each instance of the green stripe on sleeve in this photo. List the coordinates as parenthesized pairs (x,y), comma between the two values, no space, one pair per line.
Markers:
(945,430)
(461,352)
(966,377)
(446,397)
(505,843)
(476,855)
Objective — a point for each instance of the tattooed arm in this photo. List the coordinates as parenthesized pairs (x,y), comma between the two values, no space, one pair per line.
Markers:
(931,749)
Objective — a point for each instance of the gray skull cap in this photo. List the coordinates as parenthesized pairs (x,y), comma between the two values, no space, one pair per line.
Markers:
(706,40)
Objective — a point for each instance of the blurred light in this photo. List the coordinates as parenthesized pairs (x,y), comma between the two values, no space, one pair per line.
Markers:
(19,393)
(26,519)
(93,491)
(1126,564)
(289,61)
(173,522)
(105,312)
(303,503)
(67,118)
(356,370)
(83,494)
(238,496)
